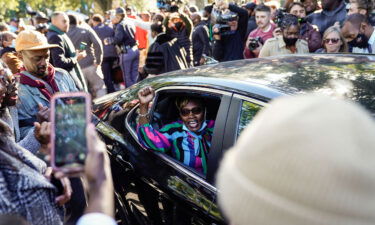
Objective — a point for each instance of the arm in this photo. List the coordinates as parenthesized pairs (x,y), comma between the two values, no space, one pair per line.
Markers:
(30,142)
(188,23)
(58,54)
(147,135)
(265,51)
(203,36)
(141,24)
(119,35)
(98,47)
(242,20)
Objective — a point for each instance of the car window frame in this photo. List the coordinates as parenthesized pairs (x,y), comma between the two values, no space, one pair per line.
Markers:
(231,129)
(169,160)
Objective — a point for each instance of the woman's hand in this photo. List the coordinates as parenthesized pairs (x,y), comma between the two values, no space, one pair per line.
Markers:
(146,95)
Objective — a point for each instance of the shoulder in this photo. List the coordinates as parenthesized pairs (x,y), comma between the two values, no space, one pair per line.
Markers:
(303,42)
(272,40)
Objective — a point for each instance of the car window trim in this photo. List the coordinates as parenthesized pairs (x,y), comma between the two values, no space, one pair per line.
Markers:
(231,129)
(166,158)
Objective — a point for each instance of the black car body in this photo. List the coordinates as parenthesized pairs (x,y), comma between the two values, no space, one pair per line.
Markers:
(154,188)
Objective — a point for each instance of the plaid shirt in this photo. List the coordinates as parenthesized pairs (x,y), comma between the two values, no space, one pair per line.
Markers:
(24,190)
(175,139)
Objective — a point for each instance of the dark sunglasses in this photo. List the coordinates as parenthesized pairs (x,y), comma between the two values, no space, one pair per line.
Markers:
(195,111)
(332,40)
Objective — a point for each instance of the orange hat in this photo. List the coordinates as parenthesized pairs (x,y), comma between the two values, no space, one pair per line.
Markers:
(32,40)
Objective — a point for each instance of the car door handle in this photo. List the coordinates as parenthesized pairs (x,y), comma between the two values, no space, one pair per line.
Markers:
(128,166)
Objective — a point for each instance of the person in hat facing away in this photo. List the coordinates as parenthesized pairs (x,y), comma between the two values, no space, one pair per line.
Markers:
(302,161)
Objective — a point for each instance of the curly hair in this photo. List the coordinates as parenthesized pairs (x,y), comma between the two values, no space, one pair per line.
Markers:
(288,20)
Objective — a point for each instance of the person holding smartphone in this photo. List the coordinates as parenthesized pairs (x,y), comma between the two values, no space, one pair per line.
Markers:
(39,80)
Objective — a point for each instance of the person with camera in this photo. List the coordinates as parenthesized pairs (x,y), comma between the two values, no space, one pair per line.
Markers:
(229,32)
(288,42)
(263,32)
(307,31)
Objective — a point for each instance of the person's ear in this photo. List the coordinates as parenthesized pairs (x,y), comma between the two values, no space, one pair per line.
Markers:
(363,27)
(363,12)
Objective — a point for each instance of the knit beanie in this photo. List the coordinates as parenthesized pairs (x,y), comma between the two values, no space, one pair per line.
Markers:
(303,160)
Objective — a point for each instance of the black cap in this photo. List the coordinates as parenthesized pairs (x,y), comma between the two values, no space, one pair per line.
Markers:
(250,5)
(120,10)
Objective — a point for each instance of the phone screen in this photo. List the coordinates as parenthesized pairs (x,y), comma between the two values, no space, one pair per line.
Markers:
(70,131)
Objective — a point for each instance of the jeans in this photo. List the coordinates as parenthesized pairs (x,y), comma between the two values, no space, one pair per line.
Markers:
(129,63)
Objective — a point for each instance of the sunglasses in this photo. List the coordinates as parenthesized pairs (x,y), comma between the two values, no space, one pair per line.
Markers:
(195,111)
(332,40)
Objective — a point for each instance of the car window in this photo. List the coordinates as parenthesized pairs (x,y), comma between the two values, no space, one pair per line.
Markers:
(164,115)
(248,111)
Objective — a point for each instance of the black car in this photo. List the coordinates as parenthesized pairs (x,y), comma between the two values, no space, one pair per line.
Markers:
(154,188)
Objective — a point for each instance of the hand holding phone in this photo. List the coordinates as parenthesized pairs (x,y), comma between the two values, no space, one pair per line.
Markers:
(70,114)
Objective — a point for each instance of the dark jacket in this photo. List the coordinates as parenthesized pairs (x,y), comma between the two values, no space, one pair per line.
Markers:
(325,19)
(94,48)
(312,36)
(104,31)
(184,36)
(173,56)
(124,34)
(231,47)
(65,56)
(201,42)
(24,191)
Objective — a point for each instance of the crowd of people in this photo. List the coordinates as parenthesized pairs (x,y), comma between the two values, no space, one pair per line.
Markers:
(101,54)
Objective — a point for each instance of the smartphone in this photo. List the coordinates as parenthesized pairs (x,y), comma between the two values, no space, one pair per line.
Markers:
(82,46)
(70,114)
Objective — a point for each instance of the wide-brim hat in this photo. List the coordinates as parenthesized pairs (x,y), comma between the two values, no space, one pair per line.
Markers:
(32,40)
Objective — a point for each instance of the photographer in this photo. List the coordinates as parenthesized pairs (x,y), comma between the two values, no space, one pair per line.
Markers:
(229,32)
(288,42)
(263,32)
(307,31)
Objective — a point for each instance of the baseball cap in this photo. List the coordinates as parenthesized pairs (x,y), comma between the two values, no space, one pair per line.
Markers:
(120,10)
(32,40)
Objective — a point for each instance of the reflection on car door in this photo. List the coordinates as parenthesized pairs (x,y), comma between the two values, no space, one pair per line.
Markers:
(157,189)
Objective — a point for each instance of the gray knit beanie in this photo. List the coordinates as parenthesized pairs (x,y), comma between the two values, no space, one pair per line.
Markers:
(304,160)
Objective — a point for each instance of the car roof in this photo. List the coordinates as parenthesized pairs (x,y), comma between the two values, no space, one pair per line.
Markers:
(352,76)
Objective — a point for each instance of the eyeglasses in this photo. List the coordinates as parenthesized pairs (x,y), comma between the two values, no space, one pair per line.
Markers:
(195,111)
(332,40)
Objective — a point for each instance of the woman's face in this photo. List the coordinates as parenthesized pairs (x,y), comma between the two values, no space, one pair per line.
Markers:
(192,115)
(332,42)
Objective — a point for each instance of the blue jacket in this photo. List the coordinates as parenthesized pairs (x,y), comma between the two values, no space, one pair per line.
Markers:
(29,97)
(104,31)
(325,19)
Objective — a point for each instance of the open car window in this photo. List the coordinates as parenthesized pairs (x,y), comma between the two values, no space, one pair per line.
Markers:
(164,112)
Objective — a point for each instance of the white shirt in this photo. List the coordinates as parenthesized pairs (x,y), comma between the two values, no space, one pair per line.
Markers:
(96,219)
(371,42)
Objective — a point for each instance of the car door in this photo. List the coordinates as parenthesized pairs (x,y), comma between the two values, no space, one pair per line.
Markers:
(154,188)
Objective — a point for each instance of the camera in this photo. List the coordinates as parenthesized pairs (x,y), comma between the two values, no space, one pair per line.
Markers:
(221,20)
(254,43)
(281,13)
(169,5)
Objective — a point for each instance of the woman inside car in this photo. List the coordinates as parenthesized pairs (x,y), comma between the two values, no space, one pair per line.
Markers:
(187,139)
(333,41)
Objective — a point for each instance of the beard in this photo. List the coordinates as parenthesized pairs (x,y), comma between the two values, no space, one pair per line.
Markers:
(361,41)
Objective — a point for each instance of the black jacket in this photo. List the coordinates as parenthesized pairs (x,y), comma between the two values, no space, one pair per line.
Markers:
(201,42)
(65,57)
(165,55)
(231,47)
